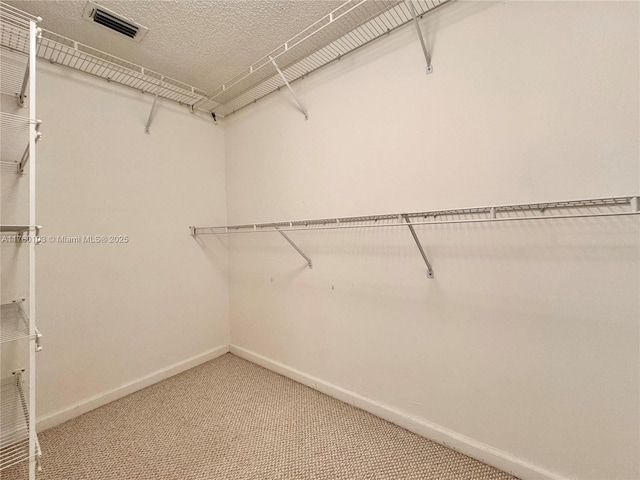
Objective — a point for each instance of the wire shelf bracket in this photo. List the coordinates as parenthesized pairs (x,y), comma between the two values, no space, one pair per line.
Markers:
(25,155)
(286,237)
(427,55)
(23,90)
(153,107)
(405,217)
(293,94)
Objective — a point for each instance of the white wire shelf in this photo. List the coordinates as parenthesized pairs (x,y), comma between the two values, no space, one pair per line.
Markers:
(14,138)
(14,56)
(69,53)
(11,15)
(14,423)
(347,28)
(14,323)
(601,207)
(14,62)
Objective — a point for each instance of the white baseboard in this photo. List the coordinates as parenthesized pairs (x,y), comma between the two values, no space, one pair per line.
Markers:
(456,441)
(91,403)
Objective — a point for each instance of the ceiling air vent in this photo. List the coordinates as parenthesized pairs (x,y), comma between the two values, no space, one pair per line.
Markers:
(117,23)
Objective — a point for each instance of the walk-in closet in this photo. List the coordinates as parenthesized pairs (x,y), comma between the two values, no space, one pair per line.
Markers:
(319,240)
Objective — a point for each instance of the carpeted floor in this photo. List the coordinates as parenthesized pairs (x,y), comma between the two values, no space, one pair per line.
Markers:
(229,419)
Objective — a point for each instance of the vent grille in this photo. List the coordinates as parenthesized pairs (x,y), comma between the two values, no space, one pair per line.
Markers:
(114,23)
(117,23)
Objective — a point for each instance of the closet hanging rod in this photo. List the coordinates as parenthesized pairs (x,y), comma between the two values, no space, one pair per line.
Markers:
(616,206)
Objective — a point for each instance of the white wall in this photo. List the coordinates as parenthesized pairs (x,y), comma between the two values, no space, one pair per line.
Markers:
(115,317)
(527,340)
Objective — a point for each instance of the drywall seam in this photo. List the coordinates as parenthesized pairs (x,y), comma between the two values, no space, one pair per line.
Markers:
(456,441)
(91,403)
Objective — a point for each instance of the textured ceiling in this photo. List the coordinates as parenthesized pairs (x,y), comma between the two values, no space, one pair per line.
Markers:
(203,43)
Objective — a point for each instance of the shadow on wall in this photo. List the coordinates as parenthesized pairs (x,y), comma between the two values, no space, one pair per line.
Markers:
(215,248)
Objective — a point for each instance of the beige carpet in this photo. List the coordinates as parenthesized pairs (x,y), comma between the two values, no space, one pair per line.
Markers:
(229,419)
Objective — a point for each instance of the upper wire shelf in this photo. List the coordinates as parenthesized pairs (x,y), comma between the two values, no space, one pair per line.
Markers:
(347,28)
(15,34)
(11,15)
(69,53)
(600,207)
(14,58)
(352,25)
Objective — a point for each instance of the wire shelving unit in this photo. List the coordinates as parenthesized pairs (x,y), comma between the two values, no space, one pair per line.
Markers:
(345,29)
(589,208)
(614,206)
(18,137)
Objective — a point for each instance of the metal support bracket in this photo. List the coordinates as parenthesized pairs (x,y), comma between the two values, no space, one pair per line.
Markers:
(417,240)
(38,340)
(153,107)
(300,106)
(23,90)
(25,155)
(427,56)
(286,237)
